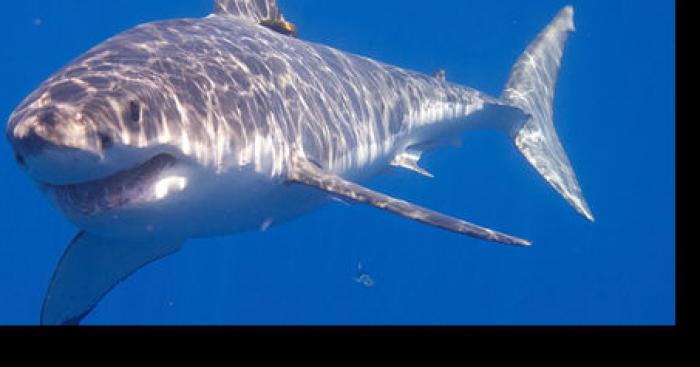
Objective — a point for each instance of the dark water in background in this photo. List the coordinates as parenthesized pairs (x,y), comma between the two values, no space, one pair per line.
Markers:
(614,112)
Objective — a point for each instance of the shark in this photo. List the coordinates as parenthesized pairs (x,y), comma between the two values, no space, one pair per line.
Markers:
(192,128)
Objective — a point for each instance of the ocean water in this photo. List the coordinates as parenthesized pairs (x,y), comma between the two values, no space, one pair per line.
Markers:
(614,111)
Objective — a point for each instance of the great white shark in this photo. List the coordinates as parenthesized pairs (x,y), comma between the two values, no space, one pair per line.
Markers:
(194,128)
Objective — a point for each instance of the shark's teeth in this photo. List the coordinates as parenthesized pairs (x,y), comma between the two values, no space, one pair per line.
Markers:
(115,191)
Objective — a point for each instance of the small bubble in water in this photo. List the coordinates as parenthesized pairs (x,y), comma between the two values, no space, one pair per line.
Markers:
(37,22)
(364,278)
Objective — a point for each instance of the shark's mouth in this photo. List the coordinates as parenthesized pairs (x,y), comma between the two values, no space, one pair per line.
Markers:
(112,192)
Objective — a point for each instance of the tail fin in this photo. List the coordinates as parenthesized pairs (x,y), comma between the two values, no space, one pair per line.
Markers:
(531,88)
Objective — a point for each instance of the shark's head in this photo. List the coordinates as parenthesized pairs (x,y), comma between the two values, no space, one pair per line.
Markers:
(99,135)
(137,130)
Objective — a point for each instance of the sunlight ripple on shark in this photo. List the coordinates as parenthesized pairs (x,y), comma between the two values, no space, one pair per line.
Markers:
(195,128)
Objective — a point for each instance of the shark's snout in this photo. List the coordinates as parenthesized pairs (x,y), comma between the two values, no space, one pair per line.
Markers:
(56,165)
(52,148)
(32,136)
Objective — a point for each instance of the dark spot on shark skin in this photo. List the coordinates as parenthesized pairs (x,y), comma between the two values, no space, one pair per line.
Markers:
(177,82)
(301,71)
(125,53)
(277,66)
(49,116)
(196,95)
(251,45)
(102,68)
(227,98)
(165,66)
(197,48)
(97,82)
(242,82)
(256,67)
(217,74)
(75,72)
(67,92)
(290,93)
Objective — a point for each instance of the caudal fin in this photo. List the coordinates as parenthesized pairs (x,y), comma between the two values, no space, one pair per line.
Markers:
(531,88)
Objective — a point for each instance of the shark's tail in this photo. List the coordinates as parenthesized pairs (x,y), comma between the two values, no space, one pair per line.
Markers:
(531,88)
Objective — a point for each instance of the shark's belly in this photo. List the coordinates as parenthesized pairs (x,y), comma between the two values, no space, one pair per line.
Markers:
(209,204)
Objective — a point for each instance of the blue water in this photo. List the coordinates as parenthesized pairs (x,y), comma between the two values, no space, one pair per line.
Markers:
(614,112)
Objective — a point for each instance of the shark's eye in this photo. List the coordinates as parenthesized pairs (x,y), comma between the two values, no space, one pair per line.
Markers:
(135,111)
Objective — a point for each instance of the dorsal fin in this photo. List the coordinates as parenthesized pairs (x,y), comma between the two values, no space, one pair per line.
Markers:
(263,12)
(256,10)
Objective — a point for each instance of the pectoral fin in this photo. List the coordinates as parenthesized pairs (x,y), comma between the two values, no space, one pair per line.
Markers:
(90,267)
(307,173)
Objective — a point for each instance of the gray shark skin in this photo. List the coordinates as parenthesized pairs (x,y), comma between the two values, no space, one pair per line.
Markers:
(194,128)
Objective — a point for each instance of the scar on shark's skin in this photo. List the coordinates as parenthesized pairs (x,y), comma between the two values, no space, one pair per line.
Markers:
(195,128)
